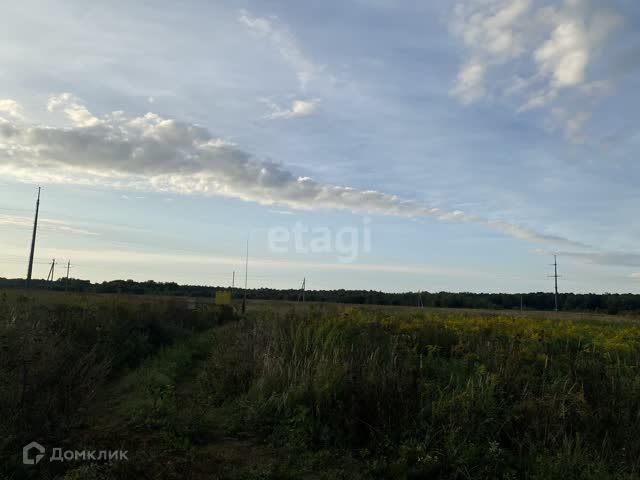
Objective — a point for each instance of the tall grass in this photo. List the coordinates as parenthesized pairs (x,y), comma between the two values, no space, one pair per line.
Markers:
(452,396)
(57,351)
(379,392)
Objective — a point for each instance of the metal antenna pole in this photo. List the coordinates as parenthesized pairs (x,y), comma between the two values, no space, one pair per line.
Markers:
(246,270)
(33,242)
(555,276)
(66,284)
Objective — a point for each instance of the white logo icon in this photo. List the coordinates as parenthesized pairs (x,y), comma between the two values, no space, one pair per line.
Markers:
(26,450)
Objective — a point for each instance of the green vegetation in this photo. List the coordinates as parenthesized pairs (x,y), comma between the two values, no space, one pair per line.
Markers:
(609,303)
(322,391)
(57,352)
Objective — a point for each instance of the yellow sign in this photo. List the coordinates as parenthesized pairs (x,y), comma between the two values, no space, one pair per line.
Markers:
(223,297)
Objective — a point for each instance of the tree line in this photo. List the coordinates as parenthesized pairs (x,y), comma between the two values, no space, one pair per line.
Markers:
(611,303)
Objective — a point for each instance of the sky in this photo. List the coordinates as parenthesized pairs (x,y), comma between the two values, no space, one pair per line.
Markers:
(387,145)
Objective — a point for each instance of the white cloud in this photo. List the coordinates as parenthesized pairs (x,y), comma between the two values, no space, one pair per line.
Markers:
(576,36)
(299,108)
(285,43)
(11,108)
(564,57)
(43,223)
(597,88)
(151,153)
(282,212)
(469,86)
(635,275)
(489,29)
(539,99)
(73,108)
(598,257)
(507,38)
(619,259)
(571,124)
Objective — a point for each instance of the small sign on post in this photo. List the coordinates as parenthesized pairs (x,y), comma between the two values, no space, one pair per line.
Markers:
(223,297)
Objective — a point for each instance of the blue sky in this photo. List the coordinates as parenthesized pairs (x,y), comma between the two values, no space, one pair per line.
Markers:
(469,140)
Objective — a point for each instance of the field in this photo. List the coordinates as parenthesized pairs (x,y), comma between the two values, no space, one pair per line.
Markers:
(315,391)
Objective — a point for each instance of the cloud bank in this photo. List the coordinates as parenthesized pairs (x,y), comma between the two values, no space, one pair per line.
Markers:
(151,153)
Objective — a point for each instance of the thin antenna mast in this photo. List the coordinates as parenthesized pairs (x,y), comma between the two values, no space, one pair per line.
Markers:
(246,270)
(33,242)
(555,277)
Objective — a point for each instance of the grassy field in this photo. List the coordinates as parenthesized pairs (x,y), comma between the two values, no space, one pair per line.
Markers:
(315,391)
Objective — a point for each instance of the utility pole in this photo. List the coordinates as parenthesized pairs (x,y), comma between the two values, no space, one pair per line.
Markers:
(33,241)
(233,282)
(302,289)
(246,270)
(555,277)
(66,283)
(51,271)
(521,305)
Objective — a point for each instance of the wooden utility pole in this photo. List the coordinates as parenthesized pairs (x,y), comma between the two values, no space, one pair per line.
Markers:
(66,283)
(33,242)
(51,271)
